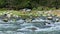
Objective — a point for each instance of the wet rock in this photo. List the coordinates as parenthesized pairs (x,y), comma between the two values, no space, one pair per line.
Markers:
(5,20)
(8,15)
(35,21)
(57,20)
(28,20)
(49,18)
(49,24)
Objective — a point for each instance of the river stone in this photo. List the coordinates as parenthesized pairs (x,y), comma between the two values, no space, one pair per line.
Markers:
(57,20)
(5,20)
(49,18)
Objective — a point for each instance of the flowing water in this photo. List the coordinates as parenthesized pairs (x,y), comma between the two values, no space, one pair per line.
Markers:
(35,27)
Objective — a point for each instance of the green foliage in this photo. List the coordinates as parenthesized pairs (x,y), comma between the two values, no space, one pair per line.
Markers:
(40,8)
(33,4)
(2,3)
(17,3)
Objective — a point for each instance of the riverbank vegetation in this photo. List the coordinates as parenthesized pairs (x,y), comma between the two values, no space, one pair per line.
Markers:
(37,7)
(32,4)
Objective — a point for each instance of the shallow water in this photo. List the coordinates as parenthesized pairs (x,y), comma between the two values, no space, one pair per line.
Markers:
(21,27)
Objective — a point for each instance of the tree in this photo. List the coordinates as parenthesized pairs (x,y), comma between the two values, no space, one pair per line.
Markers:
(2,3)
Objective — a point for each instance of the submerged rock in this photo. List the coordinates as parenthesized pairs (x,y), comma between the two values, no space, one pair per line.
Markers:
(31,28)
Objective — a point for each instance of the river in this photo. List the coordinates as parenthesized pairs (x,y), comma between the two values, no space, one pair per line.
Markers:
(37,26)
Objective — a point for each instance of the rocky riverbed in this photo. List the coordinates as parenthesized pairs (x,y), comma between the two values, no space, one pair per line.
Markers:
(38,25)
